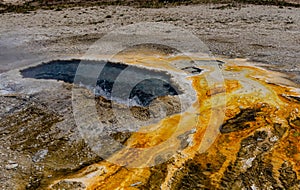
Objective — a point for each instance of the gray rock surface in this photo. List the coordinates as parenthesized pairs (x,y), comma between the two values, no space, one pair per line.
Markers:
(267,34)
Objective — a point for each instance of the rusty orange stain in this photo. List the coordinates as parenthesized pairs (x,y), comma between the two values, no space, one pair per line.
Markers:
(274,108)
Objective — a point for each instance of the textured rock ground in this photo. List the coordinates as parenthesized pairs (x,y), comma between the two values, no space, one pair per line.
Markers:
(257,147)
(262,33)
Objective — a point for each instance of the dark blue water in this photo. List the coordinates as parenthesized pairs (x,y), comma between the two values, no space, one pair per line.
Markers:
(139,84)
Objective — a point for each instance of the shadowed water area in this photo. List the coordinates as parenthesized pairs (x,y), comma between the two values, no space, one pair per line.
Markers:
(143,85)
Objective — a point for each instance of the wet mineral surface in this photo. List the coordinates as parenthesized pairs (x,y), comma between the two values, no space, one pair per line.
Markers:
(151,84)
(241,132)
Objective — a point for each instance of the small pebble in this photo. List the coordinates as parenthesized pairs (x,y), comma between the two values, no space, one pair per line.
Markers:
(11,166)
